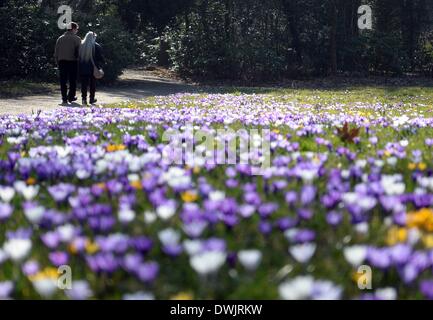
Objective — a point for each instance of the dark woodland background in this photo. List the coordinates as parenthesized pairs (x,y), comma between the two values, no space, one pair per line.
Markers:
(248,40)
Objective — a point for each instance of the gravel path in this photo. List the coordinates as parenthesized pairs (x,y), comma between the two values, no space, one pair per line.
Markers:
(132,85)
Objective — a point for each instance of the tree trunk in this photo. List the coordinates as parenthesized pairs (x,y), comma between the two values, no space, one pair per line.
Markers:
(333,39)
(293,23)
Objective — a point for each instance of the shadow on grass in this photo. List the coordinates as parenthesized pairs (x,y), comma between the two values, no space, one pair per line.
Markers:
(22,88)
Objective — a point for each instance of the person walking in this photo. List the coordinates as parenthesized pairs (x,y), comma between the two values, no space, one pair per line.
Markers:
(66,56)
(90,56)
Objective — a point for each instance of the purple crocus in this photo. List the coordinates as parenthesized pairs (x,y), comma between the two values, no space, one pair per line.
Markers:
(61,191)
(265,227)
(58,258)
(291,197)
(305,214)
(30,268)
(214,244)
(267,209)
(131,262)
(304,235)
(379,257)
(147,272)
(51,239)
(308,193)
(142,244)
(5,211)
(426,288)
(286,223)
(400,253)
(334,218)
(6,289)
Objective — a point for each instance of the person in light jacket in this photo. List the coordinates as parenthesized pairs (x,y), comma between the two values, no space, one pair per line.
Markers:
(90,54)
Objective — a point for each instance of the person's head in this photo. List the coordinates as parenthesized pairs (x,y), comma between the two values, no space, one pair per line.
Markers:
(87,46)
(73,26)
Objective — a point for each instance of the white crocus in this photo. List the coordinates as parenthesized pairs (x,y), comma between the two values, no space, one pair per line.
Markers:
(17,249)
(46,286)
(217,195)
(126,214)
(169,237)
(176,178)
(355,255)
(303,252)
(34,215)
(208,262)
(66,232)
(386,293)
(362,228)
(297,289)
(404,143)
(166,211)
(392,161)
(192,247)
(29,192)
(349,197)
(140,295)
(250,259)
(149,217)
(393,185)
(82,173)
(7,194)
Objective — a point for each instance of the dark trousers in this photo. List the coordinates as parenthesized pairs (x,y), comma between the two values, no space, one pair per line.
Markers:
(68,72)
(88,82)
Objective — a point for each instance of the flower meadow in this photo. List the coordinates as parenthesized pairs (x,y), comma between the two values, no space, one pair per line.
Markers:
(348,186)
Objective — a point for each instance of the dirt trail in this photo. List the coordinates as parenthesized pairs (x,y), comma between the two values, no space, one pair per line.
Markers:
(132,85)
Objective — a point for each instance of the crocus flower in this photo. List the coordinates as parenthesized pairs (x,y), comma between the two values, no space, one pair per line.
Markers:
(45,282)
(126,214)
(80,290)
(147,272)
(5,211)
(30,268)
(308,193)
(326,290)
(207,262)
(426,288)
(303,252)
(355,255)
(167,210)
(33,212)
(58,258)
(17,248)
(250,259)
(297,289)
(140,295)
(61,191)
(6,289)
(7,194)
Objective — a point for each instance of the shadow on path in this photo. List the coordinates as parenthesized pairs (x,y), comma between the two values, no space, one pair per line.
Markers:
(131,86)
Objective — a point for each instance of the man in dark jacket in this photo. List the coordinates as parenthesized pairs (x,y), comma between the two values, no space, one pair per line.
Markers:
(66,55)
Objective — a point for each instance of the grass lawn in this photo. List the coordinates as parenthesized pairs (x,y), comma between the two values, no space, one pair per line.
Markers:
(350,185)
(19,88)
